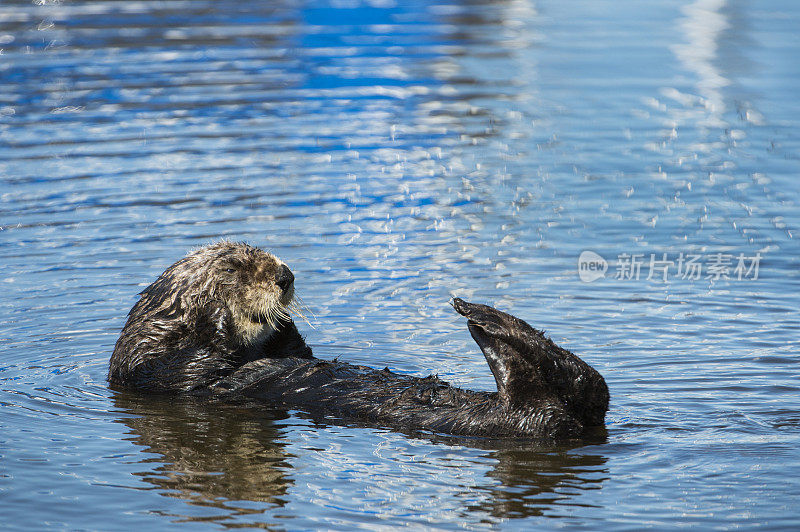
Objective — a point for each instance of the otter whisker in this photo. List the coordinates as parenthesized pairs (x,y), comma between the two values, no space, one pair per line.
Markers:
(275,319)
(296,307)
(269,317)
(276,315)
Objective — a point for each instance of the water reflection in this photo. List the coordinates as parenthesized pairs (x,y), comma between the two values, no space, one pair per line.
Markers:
(219,455)
(534,482)
(704,25)
(209,455)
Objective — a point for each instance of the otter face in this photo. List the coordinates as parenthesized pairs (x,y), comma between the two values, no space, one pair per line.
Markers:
(255,286)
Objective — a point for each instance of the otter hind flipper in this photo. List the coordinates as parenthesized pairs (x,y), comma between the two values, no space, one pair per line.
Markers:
(527,365)
(518,381)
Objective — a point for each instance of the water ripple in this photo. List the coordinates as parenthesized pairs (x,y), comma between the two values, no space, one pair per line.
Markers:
(396,155)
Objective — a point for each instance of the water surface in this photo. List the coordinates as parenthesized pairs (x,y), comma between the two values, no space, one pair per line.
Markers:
(396,155)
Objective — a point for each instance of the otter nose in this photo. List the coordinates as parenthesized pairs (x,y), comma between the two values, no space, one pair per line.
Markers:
(285,278)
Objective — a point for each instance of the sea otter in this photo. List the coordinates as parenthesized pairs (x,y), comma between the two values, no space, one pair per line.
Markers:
(217,323)
(212,311)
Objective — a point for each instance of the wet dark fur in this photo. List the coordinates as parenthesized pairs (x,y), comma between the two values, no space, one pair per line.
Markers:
(544,391)
(181,335)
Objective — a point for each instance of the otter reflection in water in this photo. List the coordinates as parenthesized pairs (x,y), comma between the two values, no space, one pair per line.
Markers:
(245,464)
(217,323)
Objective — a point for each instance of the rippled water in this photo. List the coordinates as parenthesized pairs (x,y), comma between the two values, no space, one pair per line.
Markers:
(396,155)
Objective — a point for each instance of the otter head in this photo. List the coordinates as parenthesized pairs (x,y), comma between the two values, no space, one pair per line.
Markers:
(205,314)
(254,289)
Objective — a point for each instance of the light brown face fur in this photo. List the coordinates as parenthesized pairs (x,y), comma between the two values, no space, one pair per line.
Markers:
(255,299)
(255,286)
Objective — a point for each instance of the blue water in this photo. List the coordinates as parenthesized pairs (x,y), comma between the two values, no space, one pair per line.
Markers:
(396,154)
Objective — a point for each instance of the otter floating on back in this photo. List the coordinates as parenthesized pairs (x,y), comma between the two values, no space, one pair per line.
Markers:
(217,323)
